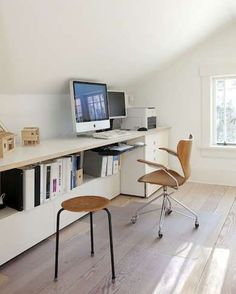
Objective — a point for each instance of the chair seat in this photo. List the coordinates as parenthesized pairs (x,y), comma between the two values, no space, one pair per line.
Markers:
(85,203)
(159,177)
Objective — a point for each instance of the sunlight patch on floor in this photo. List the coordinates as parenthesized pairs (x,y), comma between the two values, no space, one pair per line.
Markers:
(216,271)
(175,276)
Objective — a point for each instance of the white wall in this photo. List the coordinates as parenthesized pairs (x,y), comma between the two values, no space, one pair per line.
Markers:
(51,113)
(176,93)
(46,43)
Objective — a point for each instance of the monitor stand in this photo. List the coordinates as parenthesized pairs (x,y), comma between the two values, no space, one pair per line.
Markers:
(111,124)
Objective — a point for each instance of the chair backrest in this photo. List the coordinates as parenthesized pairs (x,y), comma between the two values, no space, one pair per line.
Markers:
(184,152)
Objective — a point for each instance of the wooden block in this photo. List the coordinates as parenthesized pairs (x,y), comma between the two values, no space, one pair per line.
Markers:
(30,136)
(7,142)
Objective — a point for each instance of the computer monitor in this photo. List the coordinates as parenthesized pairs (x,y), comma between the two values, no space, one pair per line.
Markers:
(117,104)
(89,106)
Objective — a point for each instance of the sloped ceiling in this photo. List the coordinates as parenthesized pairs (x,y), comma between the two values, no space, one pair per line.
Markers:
(44,43)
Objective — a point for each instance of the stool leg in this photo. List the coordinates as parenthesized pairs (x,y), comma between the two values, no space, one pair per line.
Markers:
(91,233)
(57,243)
(111,244)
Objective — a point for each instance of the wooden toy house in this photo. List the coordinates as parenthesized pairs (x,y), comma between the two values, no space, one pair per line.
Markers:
(7,141)
(30,136)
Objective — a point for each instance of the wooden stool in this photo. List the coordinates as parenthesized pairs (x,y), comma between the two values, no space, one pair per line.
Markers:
(86,204)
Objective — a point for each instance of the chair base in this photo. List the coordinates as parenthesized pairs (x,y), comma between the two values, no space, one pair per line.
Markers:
(166,209)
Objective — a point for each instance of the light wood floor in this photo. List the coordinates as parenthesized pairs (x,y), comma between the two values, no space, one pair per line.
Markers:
(185,260)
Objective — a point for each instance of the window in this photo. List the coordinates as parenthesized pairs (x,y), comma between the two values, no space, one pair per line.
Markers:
(224,110)
(218,110)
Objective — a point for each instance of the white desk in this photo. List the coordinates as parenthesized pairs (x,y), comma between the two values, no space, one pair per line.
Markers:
(53,148)
(21,230)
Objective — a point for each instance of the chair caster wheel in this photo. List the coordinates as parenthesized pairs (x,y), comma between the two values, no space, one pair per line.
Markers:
(196,224)
(160,235)
(134,219)
(169,211)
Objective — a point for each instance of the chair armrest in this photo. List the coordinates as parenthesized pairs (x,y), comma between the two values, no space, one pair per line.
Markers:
(153,164)
(169,151)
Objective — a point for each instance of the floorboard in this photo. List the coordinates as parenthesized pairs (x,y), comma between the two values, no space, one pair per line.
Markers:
(185,260)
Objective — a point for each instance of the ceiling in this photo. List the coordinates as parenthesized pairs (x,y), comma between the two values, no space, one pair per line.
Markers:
(44,43)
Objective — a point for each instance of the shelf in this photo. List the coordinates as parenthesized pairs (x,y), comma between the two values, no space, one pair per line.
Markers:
(87,179)
(5,212)
(59,147)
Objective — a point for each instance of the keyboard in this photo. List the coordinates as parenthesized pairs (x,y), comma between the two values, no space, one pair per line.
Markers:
(112,134)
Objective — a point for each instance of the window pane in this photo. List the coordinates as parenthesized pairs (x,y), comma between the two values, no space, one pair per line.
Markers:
(230,100)
(219,103)
(225,110)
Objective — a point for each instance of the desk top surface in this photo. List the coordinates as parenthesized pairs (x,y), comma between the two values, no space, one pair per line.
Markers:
(58,147)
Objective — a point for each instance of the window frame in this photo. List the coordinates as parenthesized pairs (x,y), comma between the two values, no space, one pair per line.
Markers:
(214,126)
(208,147)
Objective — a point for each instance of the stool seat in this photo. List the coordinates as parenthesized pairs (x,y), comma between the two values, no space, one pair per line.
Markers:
(85,203)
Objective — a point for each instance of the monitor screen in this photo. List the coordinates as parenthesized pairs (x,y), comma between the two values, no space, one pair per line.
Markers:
(117,105)
(89,105)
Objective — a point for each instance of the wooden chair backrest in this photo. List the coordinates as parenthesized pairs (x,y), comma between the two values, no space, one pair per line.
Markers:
(184,152)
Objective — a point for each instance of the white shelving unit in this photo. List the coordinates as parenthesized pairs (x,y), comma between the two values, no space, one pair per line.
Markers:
(21,230)
(132,169)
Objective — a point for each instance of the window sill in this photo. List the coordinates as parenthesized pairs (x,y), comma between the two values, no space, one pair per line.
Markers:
(216,151)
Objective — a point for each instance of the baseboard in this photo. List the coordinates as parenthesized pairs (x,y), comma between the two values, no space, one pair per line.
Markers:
(213,176)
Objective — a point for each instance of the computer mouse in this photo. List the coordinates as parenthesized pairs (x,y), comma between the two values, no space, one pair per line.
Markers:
(142,129)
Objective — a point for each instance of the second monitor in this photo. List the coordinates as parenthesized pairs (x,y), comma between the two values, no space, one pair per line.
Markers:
(117,104)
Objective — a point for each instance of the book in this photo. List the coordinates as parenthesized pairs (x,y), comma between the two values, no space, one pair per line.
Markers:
(54,175)
(64,174)
(60,175)
(73,170)
(47,181)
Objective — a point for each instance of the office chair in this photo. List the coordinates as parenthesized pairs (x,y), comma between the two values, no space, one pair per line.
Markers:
(168,178)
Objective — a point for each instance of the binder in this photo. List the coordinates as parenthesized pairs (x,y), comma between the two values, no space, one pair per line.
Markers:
(28,188)
(12,186)
(95,164)
(78,162)
(104,166)
(37,187)
(19,186)
(42,184)
(116,159)
(54,179)
(109,165)
(68,170)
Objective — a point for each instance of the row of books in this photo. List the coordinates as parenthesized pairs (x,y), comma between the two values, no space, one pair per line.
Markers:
(100,165)
(31,186)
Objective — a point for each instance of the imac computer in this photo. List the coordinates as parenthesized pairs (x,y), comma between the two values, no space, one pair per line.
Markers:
(89,106)
(117,104)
